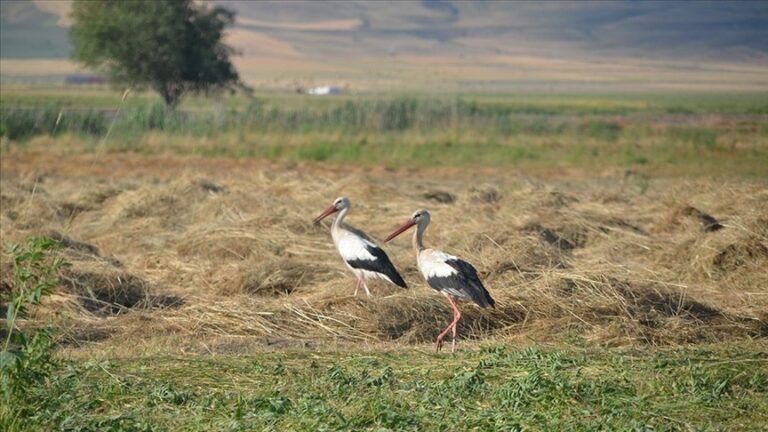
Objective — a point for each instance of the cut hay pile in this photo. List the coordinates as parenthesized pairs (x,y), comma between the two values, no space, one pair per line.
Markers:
(215,255)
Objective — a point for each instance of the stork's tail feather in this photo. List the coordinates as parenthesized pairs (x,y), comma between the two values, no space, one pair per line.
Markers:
(398,280)
(484,298)
(491,301)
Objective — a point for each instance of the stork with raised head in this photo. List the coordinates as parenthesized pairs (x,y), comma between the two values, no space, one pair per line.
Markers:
(360,253)
(451,276)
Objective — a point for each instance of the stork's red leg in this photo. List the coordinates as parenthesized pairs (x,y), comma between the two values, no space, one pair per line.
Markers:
(457,315)
(357,287)
(440,338)
(451,326)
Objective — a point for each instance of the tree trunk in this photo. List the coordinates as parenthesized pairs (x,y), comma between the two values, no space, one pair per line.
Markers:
(170,102)
(170,93)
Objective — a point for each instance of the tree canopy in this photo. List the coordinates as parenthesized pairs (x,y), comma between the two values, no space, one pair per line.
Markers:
(171,46)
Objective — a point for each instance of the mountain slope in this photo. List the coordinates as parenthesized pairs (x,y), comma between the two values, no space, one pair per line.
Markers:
(695,30)
(26,31)
(679,44)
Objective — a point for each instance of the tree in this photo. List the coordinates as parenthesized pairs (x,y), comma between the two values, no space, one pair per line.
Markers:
(171,46)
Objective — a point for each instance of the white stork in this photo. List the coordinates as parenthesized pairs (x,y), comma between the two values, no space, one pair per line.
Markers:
(361,254)
(451,276)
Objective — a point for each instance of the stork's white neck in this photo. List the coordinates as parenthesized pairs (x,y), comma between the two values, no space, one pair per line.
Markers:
(339,218)
(418,235)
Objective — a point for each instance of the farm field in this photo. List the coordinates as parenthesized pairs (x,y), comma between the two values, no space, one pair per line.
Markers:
(624,237)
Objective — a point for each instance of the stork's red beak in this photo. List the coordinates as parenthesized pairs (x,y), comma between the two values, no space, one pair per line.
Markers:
(409,223)
(329,211)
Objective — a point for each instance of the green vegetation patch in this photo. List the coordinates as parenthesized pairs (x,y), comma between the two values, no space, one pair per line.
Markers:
(687,135)
(495,388)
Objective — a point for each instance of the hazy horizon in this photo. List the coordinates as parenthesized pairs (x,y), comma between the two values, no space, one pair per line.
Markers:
(474,45)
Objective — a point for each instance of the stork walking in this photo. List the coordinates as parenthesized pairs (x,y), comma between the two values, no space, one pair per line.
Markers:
(360,253)
(450,276)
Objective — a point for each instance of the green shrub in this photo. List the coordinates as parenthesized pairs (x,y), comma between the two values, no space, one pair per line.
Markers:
(26,358)
(23,123)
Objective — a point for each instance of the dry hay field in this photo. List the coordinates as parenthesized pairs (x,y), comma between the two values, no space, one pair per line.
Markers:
(175,255)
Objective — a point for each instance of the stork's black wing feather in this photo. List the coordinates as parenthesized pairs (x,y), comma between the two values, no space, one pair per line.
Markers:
(464,283)
(381,264)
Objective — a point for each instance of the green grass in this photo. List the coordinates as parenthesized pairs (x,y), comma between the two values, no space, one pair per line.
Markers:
(534,103)
(662,134)
(662,152)
(496,388)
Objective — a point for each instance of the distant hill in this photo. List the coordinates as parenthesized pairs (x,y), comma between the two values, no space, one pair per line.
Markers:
(384,43)
(718,31)
(26,31)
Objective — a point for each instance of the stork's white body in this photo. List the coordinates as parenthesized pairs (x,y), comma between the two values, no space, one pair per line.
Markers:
(353,247)
(432,263)
(360,253)
(445,273)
